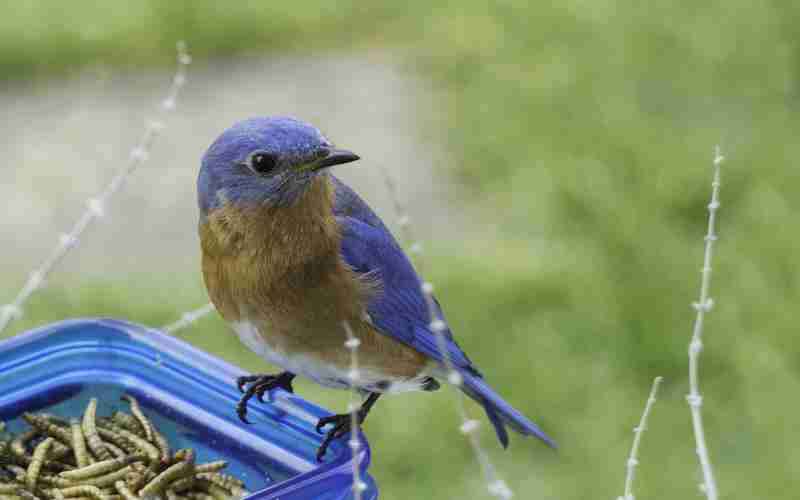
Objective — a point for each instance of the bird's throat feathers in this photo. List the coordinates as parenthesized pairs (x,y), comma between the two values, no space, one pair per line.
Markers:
(304,229)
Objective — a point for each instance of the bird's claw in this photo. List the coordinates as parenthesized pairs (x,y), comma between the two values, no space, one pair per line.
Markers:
(259,385)
(342,424)
(241,411)
(286,385)
(332,419)
(246,379)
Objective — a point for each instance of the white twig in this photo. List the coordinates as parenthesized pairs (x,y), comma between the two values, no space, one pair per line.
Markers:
(702,306)
(95,207)
(352,343)
(633,458)
(469,427)
(188,318)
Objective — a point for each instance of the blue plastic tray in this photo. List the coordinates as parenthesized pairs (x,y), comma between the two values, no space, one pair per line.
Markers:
(189,394)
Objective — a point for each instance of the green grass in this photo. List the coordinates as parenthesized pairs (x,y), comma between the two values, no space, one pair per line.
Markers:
(583,135)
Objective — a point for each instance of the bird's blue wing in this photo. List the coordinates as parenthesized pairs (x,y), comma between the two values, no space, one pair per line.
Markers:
(400,309)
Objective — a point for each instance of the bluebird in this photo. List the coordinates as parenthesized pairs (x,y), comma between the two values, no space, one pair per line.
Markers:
(291,256)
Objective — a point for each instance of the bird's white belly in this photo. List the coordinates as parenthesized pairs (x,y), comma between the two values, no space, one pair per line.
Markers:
(323,373)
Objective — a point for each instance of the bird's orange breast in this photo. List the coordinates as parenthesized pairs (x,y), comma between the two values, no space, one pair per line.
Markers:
(280,270)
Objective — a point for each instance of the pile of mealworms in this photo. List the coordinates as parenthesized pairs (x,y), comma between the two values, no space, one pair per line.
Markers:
(122,457)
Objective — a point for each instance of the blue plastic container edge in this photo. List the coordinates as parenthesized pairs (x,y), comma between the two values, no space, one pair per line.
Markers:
(340,464)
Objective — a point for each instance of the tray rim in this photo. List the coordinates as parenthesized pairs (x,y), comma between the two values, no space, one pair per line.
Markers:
(223,372)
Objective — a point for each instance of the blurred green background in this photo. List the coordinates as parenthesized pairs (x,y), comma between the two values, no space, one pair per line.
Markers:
(582,137)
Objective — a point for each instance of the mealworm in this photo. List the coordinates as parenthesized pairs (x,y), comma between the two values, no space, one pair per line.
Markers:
(111,437)
(215,466)
(59,450)
(127,422)
(39,454)
(199,495)
(9,488)
(109,479)
(54,419)
(182,484)
(79,444)
(18,446)
(140,416)
(131,440)
(100,468)
(232,480)
(134,480)
(239,492)
(172,473)
(26,495)
(46,427)
(114,449)
(229,483)
(213,477)
(123,490)
(162,444)
(87,491)
(58,482)
(90,431)
(153,454)
(215,490)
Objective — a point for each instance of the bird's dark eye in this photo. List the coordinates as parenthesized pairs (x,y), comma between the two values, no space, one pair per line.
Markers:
(262,163)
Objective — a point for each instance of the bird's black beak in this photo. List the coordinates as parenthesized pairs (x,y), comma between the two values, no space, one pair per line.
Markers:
(335,157)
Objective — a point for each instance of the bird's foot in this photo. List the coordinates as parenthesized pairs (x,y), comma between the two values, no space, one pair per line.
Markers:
(257,385)
(342,424)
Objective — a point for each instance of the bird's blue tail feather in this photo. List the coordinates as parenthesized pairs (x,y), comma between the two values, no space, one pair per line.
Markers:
(500,413)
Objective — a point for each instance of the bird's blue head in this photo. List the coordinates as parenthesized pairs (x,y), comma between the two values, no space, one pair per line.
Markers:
(264,161)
